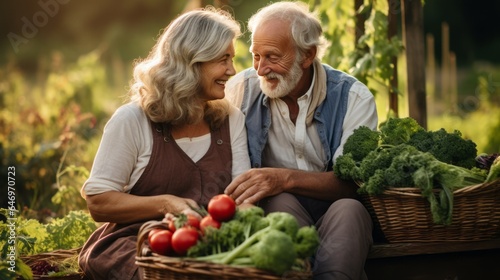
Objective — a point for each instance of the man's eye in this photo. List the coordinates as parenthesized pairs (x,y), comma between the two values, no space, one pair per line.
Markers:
(273,58)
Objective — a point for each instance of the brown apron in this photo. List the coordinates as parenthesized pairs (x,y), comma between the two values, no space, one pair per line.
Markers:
(110,251)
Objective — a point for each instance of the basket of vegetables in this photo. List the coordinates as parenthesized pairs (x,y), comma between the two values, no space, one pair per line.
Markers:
(59,264)
(227,243)
(423,186)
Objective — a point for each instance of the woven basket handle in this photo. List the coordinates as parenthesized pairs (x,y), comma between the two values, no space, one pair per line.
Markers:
(144,232)
(490,185)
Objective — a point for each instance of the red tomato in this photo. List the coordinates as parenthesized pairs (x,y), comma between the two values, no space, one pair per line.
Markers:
(171,225)
(184,220)
(153,231)
(221,207)
(161,242)
(183,239)
(208,221)
(192,221)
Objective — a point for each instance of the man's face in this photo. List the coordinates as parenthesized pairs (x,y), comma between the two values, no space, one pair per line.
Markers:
(275,59)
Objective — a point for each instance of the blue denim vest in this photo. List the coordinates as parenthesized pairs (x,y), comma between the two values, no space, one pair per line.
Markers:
(328,117)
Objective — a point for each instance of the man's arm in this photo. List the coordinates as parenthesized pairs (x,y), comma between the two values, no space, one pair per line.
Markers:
(256,184)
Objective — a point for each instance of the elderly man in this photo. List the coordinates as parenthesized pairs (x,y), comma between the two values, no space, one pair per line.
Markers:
(299,113)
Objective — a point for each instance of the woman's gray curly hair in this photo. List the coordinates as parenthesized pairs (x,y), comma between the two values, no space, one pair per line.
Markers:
(167,83)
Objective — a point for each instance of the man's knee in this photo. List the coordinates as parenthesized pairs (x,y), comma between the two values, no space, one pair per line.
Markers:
(349,209)
(286,202)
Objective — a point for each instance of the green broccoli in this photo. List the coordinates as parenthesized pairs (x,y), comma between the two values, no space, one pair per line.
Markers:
(447,147)
(345,167)
(381,158)
(231,234)
(400,172)
(405,166)
(252,219)
(397,131)
(274,252)
(306,242)
(376,184)
(429,174)
(281,221)
(361,142)
(270,248)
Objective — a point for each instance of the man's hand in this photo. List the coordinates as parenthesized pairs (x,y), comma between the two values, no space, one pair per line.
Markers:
(256,184)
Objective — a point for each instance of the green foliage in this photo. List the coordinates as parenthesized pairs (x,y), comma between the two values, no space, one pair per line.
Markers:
(370,58)
(337,21)
(25,236)
(20,269)
(45,125)
(33,237)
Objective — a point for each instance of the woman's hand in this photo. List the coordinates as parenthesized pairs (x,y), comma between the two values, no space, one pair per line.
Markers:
(177,205)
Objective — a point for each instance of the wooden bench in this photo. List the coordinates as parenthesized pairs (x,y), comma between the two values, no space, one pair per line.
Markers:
(475,260)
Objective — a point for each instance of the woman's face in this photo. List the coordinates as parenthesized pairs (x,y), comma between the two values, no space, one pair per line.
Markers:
(215,74)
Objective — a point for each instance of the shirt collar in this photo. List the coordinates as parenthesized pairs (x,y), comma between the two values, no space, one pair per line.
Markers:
(309,91)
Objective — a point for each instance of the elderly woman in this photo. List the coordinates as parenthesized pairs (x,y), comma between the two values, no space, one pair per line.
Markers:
(175,145)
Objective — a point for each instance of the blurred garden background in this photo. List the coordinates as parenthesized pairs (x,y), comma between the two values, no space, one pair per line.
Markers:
(65,66)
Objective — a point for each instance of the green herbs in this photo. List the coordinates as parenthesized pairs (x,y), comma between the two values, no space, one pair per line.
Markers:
(33,237)
(494,172)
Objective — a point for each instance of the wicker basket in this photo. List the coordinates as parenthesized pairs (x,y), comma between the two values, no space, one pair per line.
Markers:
(156,266)
(403,215)
(56,256)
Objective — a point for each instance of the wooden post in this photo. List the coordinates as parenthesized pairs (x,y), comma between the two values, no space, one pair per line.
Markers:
(392,30)
(430,73)
(445,63)
(413,28)
(453,83)
(359,21)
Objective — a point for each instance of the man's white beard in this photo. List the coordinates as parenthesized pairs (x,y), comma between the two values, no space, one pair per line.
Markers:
(286,83)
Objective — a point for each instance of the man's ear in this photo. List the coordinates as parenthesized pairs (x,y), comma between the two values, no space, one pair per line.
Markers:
(309,57)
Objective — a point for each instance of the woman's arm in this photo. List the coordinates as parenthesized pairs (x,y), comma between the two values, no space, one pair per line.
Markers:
(118,207)
(239,145)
